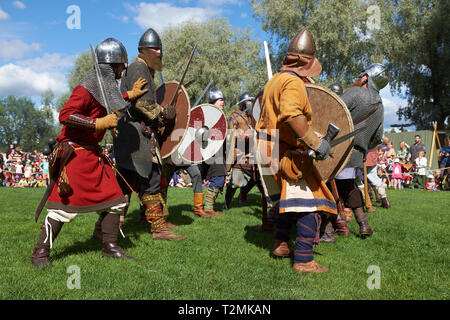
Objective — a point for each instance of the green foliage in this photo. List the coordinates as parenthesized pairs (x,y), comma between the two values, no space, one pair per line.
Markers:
(226,55)
(414,38)
(223,258)
(21,122)
(343,42)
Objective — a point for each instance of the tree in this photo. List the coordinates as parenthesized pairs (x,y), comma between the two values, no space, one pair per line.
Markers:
(415,40)
(21,122)
(226,55)
(342,35)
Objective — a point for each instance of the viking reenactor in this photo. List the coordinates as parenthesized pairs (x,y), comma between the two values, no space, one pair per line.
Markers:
(244,173)
(82,179)
(137,147)
(334,223)
(287,113)
(216,172)
(366,107)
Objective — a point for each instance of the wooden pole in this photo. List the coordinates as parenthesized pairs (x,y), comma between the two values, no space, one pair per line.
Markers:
(366,187)
(433,143)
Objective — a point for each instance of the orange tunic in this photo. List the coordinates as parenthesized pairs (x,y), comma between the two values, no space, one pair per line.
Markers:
(285,97)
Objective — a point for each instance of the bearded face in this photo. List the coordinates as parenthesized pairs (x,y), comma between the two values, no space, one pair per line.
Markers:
(152,57)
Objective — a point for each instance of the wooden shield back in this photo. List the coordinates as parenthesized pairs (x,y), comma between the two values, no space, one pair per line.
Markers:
(172,134)
(328,108)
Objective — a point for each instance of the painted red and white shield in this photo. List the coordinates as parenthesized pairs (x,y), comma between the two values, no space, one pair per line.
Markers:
(205,134)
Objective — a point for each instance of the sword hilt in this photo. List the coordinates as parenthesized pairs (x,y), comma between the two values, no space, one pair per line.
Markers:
(332,132)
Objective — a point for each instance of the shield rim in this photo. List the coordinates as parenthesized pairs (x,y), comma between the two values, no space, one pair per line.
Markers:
(338,168)
(188,117)
(225,135)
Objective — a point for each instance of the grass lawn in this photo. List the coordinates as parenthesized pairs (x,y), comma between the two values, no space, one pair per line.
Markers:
(221,258)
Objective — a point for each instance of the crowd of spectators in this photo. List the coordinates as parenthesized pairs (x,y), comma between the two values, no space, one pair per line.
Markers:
(21,169)
(408,166)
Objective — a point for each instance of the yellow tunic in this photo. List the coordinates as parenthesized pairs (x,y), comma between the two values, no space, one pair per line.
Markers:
(285,97)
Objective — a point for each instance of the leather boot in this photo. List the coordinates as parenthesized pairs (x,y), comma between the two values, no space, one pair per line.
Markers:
(211,196)
(364,228)
(281,249)
(198,206)
(164,233)
(110,229)
(41,252)
(229,194)
(385,203)
(328,233)
(97,234)
(340,226)
(243,197)
(309,267)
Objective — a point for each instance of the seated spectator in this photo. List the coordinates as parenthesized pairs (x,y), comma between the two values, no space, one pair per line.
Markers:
(430,185)
(33,181)
(22,183)
(403,154)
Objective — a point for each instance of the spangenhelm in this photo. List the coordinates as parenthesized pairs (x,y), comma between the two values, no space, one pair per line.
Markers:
(246,101)
(336,88)
(378,73)
(214,94)
(110,51)
(150,39)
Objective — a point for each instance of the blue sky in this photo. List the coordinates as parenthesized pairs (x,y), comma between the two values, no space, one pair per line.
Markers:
(37,48)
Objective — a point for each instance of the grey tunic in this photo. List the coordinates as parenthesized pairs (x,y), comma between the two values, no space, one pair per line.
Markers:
(132,148)
(361,102)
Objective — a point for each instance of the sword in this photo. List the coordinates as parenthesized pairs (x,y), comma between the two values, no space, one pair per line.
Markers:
(203,93)
(115,133)
(331,133)
(175,96)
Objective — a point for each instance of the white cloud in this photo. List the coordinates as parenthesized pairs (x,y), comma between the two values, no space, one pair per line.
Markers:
(24,81)
(3,15)
(161,15)
(49,62)
(215,3)
(19,4)
(16,49)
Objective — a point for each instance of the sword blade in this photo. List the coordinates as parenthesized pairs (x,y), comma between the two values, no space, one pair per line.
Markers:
(100,80)
(203,93)
(347,136)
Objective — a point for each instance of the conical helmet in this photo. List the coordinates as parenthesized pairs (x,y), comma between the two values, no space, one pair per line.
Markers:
(111,50)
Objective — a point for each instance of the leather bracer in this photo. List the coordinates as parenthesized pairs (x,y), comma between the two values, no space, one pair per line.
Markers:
(304,132)
(79,121)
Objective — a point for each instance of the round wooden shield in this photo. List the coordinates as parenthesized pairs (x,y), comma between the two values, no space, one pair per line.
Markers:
(328,108)
(205,134)
(173,132)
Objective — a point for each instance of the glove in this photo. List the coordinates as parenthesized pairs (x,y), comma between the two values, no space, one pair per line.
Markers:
(137,90)
(108,122)
(324,150)
(168,112)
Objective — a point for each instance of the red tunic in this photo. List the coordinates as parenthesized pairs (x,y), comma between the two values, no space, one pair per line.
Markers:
(90,176)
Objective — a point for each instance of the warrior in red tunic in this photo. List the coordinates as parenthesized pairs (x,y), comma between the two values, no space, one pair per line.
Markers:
(84,180)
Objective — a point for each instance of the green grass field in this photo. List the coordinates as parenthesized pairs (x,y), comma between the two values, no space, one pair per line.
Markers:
(222,258)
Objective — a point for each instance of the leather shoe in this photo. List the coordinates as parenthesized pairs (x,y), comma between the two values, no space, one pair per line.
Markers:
(309,267)
(112,250)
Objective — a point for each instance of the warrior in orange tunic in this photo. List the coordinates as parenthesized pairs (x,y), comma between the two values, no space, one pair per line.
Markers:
(86,180)
(296,186)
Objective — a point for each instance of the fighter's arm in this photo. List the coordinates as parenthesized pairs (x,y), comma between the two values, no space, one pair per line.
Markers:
(73,113)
